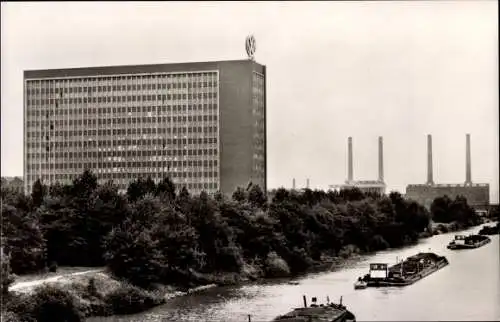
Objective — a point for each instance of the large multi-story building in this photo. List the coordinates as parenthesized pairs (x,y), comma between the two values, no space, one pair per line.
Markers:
(203,124)
(477,195)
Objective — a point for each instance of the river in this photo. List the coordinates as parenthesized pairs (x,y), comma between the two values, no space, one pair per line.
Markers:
(467,289)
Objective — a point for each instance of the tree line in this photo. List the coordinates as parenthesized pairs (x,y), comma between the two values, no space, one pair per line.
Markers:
(157,234)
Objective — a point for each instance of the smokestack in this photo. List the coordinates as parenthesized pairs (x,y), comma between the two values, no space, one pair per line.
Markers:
(349,156)
(430,181)
(380,159)
(468,179)
(293,184)
(307,183)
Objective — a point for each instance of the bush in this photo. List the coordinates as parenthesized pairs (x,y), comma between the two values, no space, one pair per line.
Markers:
(53,267)
(378,243)
(9,316)
(276,266)
(349,250)
(49,304)
(130,299)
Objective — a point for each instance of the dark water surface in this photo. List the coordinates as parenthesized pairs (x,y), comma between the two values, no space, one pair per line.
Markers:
(467,289)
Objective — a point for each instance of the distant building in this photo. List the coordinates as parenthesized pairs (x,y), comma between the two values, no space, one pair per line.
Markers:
(203,124)
(366,186)
(478,195)
(13,183)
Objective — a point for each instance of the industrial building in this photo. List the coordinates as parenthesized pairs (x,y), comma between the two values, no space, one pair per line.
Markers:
(478,195)
(203,124)
(375,186)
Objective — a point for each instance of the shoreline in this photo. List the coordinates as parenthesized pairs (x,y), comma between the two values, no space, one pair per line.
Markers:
(76,282)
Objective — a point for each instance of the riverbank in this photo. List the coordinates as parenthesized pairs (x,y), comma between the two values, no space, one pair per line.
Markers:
(87,294)
(97,293)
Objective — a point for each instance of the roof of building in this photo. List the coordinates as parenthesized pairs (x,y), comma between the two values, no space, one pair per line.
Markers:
(131,69)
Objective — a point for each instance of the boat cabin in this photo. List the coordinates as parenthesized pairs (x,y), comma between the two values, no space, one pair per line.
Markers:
(460,239)
(378,271)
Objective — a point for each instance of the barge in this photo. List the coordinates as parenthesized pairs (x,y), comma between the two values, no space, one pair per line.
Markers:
(329,312)
(406,272)
(490,230)
(468,242)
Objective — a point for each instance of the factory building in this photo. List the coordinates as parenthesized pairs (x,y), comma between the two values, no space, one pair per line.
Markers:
(372,186)
(478,195)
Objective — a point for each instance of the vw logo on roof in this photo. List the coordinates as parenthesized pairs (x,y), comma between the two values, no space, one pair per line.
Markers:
(250,46)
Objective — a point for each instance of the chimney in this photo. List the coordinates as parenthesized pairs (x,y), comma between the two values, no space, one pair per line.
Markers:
(307,183)
(430,181)
(468,179)
(380,159)
(293,184)
(349,156)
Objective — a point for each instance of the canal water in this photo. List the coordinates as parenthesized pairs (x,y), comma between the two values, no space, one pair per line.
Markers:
(467,289)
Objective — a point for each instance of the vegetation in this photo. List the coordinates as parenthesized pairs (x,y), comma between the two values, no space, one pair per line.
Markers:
(47,303)
(82,297)
(156,235)
(446,210)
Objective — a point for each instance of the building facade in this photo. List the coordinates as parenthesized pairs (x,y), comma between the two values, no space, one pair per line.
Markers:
(477,195)
(202,124)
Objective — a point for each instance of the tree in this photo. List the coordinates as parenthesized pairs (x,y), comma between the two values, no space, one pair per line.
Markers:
(135,190)
(38,193)
(239,194)
(167,188)
(84,185)
(256,196)
(23,240)
(440,209)
(280,195)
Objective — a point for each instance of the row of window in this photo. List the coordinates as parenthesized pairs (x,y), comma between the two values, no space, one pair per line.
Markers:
(147,119)
(119,98)
(124,143)
(113,88)
(95,154)
(184,174)
(49,111)
(126,79)
(182,129)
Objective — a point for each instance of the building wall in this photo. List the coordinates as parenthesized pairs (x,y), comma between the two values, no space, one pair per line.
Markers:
(242,125)
(192,121)
(477,195)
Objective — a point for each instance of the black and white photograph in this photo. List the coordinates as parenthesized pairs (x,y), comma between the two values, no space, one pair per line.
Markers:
(250,161)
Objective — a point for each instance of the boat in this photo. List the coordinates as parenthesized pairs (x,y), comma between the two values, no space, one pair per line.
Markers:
(468,242)
(330,312)
(490,230)
(406,272)
(360,284)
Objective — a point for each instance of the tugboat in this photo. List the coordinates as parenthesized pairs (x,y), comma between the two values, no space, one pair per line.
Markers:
(490,230)
(329,312)
(468,242)
(406,272)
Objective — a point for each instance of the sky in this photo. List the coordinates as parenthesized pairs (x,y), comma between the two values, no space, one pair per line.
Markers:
(400,70)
